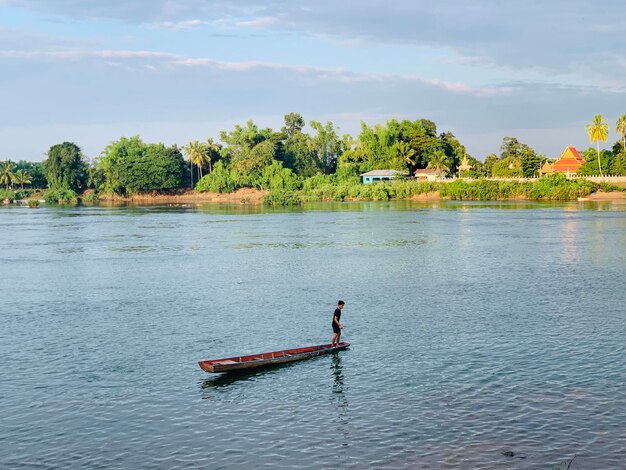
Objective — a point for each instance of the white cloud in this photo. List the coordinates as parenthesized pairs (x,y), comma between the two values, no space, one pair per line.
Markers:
(165,59)
(182,25)
(257,22)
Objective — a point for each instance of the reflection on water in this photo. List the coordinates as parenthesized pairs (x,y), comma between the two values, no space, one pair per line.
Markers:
(339,400)
(227,379)
(337,371)
(570,241)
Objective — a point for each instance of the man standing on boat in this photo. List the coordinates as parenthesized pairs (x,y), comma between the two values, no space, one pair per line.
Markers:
(337,326)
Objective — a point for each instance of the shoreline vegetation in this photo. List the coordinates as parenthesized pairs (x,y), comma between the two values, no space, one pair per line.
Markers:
(291,167)
(549,188)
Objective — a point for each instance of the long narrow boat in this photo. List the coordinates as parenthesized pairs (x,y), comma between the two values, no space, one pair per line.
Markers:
(230,364)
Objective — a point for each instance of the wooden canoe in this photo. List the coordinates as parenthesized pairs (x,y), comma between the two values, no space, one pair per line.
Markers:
(230,364)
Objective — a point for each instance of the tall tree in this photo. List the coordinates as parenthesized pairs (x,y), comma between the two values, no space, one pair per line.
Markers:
(453,148)
(6,173)
(294,123)
(490,161)
(213,152)
(511,147)
(298,153)
(327,145)
(66,167)
(130,166)
(598,131)
(620,128)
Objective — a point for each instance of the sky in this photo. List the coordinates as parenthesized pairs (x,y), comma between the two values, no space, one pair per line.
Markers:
(171,71)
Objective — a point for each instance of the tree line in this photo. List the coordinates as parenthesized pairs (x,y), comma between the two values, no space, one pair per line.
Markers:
(250,156)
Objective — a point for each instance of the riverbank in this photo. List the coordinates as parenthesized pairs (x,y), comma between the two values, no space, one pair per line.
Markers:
(255,197)
(189,196)
(613,196)
(553,188)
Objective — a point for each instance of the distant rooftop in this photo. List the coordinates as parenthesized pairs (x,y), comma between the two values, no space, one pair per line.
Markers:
(382,173)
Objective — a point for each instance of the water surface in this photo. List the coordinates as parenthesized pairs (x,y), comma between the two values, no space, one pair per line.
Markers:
(484,335)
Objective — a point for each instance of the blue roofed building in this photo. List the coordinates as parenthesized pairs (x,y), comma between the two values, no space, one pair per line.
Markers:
(380,175)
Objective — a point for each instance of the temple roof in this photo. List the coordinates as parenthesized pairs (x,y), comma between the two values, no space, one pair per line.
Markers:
(569,161)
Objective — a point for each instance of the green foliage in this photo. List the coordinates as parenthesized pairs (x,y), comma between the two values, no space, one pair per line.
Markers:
(438,160)
(90,198)
(33,203)
(220,180)
(277,178)
(245,138)
(66,167)
(608,187)
(557,187)
(326,145)
(250,163)
(96,177)
(22,194)
(317,181)
(6,173)
(7,194)
(619,164)
(330,188)
(130,166)
(508,167)
(531,163)
(479,190)
(590,167)
(61,196)
(21,177)
(551,187)
(282,198)
(35,172)
(487,167)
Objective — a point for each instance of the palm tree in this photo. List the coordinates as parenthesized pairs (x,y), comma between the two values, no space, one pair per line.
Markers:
(439,161)
(21,177)
(6,173)
(598,131)
(196,152)
(620,128)
(212,148)
(407,154)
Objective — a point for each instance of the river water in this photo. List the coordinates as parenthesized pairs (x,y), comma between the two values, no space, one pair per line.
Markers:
(484,335)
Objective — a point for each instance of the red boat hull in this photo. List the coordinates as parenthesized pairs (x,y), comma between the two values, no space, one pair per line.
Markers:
(229,364)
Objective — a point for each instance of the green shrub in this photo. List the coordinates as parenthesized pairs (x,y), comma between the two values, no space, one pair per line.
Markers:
(277,178)
(7,194)
(22,193)
(282,198)
(556,186)
(607,187)
(317,181)
(220,180)
(381,192)
(33,203)
(551,187)
(61,196)
(90,198)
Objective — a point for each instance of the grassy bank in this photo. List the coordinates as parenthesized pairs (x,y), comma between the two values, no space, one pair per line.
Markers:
(553,187)
(330,188)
